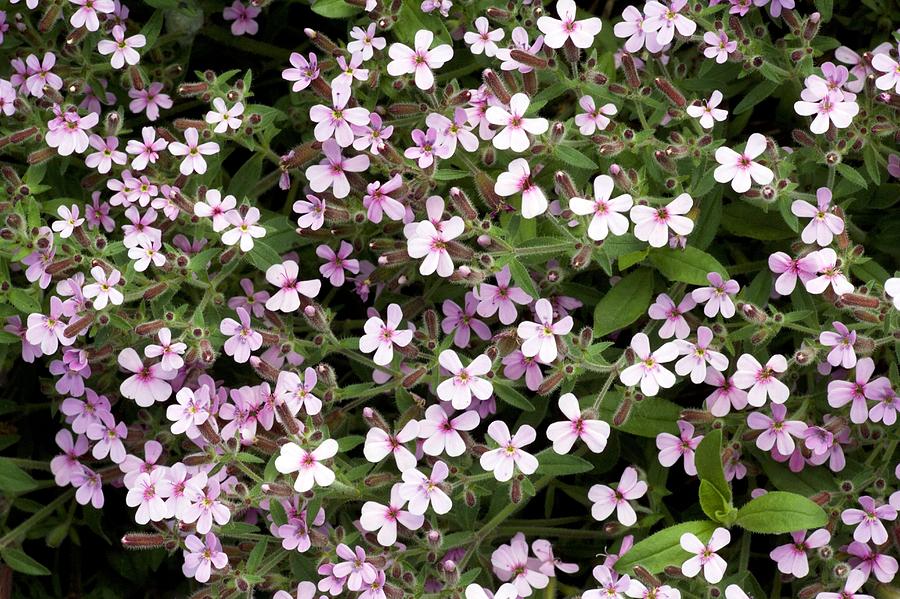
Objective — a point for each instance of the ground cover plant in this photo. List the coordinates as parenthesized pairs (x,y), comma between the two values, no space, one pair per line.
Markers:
(444,299)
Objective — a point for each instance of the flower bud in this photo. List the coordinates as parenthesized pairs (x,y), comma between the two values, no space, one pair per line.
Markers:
(666,87)
(413,378)
(535,62)
(515,491)
(583,257)
(631,74)
(622,412)
(462,203)
(497,86)
(564,185)
(138,540)
(811,29)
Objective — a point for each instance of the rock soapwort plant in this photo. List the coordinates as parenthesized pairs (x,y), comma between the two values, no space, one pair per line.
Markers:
(387,298)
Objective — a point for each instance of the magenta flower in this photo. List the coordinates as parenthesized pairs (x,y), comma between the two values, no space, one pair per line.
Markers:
(243,17)
(606,211)
(201,557)
(858,391)
(777,432)
(664,308)
(698,355)
(869,562)
(148,384)
(378,200)
(331,172)
(515,127)
(149,100)
(421,491)
(608,500)
(594,433)
(739,169)
(824,224)
(379,444)
(193,152)
(384,518)
(761,380)
(726,395)
(842,342)
(652,224)
(671,448)
(284,276)
(558,31)
(336,121)
(868,520)
(648,370)
(791,558)
(790,269)
(419,60)
(461,321)
(705,556)
(440,430)
(517,179)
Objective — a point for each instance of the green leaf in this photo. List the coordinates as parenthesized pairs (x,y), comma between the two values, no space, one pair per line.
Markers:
(348,443)
(448,174)
(714,505)
(689,265)
(872,161)
(627,301)
(279,516)
(852,175)
(19,561)
(152,28)
(744,220)
(647,418)
(512,396)
(256,555)
(551,462)
(708,459)
(334,9)
(14,480)
(664,547)
(23,301)
(262,256)
(756,95)
(522,278)
(246,177)
(573,157)
(778,512)
(825,8)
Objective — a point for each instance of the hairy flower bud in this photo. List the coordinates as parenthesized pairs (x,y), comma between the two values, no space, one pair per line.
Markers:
(498,88)
(666,87)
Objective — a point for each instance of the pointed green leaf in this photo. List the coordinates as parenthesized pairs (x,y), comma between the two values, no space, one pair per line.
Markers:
(664,547)
(778,512)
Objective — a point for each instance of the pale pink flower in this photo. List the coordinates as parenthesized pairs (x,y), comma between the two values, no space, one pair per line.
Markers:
(243,17)
(378,200)
(483,40)
(830,274)
(652,224)
(540,337)
(441,431)
(606,211)
(430,242)
(520,41)
(648,370)
(842,342)
(664,308)
(777,432)
(40,75)
(707,112)
(355,569)
(71,135)
(501,298)
(297,393)
(868,520)
(791,558)
(461,321)
(594,433)
(302,71)
(245,228)
(502,460)
(284,276)
(104,291)
(380,336)
(824,224)
(890,79)
(613,586)
(869,562)
(252,300)
(543,553)
(308,464)
(639,29)
(858,391)
(105,155)
(511,562)
(669,19)
(790,269)
(149,100)
(69,221)
(225,118)
(718,47)
(671,448)
(201,557)
(421,491)
(242,340)
(739,169)
(517,179)
(717,296)
(852,585)
(108,435)
(608,500)
(726,395)
(593,118)
(336,263)
(193,152)
(66,466)
(122,48)
(705,557)
(384,518)
(365,42)
(449,132)
(425,148)
(515,127)
(558,31)
(379,444)
(214,206)
(86,15)
(335,121)
(761,380)
(506,591)
(191,410)
(148,384)
(465,381)
(331,172)
(373,136)
(830,107)
(146,253)
(419,60)
(90,488)
(147,494)
(170,352)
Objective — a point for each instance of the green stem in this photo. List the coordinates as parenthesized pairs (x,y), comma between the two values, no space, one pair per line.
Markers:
(35,519)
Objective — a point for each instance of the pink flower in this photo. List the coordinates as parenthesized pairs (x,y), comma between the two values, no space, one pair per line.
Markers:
(336,263)
(378,200)
(303,71)
(244,230)
(869,562)
(200,557)
(40,75)
(331,172)
(419,61)
(105,155)
(191,410)
(652,224)
(483,39)
(558,31)
(669,20)
(122,49)
(284,276)
(354,568)
(515,364)
(671,448)
(308,464)
(726,395)
(777,432)
(501,298)
(147,494)
(741,168)
(384,518)
(883,63)
(675,324)
(450,132)
(613,586)
(108,435)
(648,370)
(858,391)
(842,342)
(791,558)
(242,339)
(48,332)
(511,562)
(373,136)
(829,106)
(104,290)
(720,48)
(440,431)
(364,42)
(425,147)
(705,555)
(243,17)
(150,100)
(853,583)
(90,487)
(594,433)
(593,118)
(509,454)
(608,500)
(380,336)
(707,111)
(170,352)
(252,300)
(515,127)
(430,242)
(824,224)
(86,15)
(335,121)
(760,380)
(606,212)
(639,29)
(69,221)
(466,381)
(380,443)
(214,206)
(887,407)
(790,269)
(193,152)
(148,384)
(421,491)
(66,466)
(868,520)
(540,337)
(71,134)
(827,264)
(463,321)
(698,355)
(517,179)
(717,296)
(543,552)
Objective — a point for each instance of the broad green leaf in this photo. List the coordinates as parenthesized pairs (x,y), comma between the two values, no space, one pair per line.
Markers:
(246,177)
(664,547)
(852,175)
(627,301)
(714,505)
(778,512)
(512,396)
(647,418)
(262,256)
(708,459)
(757,94)
(23,301)
(19,561)
(573,157)
(551,462)
(14,480)
(825,8)
(334,9)
(522,278)
(689,265)
(744,220)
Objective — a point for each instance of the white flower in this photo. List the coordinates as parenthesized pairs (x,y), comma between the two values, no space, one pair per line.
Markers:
(224,118)
(420,61)
(104,291)
(740,168)
(705,555)
(483,39)
(509,454)
(517,179)
(244,230)
(308,464)
(122,49)
(514,135)
(648,370)
(558,31)
(707,111)
(540,337)
(70,220)
(652,224)
(607,212)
